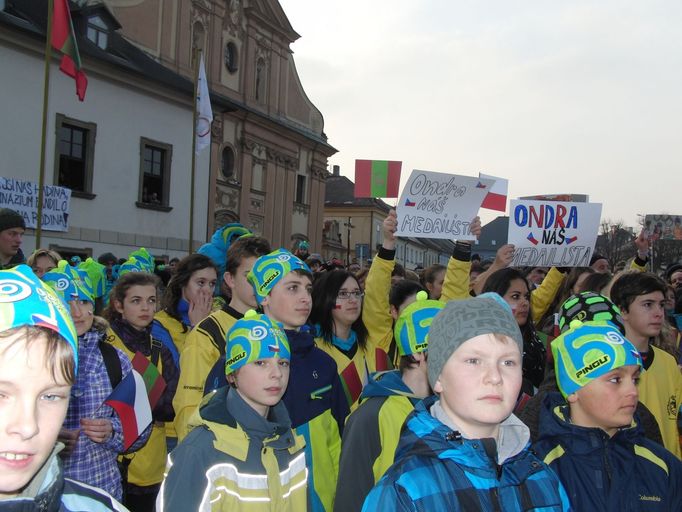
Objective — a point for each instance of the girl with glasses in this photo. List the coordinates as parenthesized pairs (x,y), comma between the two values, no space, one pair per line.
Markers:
(337,321)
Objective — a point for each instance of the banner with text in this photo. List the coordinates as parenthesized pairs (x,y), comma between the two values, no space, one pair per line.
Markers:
(438,205)
(663,227)
(553,233)
(22,196)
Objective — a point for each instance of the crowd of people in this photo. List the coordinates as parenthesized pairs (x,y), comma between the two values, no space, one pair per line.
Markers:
(286,382)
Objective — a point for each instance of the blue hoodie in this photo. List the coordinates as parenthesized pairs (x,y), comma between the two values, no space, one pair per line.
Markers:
(437,469)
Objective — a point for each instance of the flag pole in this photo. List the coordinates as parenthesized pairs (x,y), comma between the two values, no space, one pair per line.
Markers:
(195,56)
(46,94)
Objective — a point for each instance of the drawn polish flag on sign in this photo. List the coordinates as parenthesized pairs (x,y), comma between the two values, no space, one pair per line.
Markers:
(377,178)
(497,197)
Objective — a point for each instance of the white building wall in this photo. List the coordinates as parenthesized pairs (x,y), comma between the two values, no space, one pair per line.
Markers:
(111,221)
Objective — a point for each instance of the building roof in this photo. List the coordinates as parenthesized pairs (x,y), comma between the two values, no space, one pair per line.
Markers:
(493,235)
(30,16)
(340,192)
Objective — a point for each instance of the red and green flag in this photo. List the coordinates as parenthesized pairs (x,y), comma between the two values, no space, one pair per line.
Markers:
(153,380)
(64,40)
(377,178)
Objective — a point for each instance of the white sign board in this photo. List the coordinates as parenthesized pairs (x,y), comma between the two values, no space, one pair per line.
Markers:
(22,196)
(553,233)
(438,205)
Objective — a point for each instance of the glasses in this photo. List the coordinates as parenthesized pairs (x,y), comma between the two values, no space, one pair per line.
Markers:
(344,295)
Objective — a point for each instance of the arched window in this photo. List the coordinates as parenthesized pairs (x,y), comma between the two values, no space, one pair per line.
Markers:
(231,57)
(198,36)
(260,79)
(227,163)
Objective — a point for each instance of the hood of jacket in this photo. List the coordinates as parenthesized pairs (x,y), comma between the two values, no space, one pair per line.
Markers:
(555,426)
(424,435)
(388,383)
(229,417)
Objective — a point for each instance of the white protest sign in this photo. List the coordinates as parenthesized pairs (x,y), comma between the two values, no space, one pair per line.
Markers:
(438,205)
(22,196)
(553,233)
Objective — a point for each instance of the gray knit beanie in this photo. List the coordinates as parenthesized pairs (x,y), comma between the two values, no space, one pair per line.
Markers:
(10,219)
(462,320)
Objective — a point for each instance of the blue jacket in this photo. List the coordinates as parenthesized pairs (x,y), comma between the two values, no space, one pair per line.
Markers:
(620,473)
(318,408)
(436,469)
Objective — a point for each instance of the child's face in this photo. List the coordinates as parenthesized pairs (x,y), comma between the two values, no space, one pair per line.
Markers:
(262,383)
(42,265)
(82,314)
(518,298)
(608,402)
(32,409)
(480,383)
(644,317)
(138,306)
(201,282)
(436,288)
(290,301)
(243,297)
(348,310)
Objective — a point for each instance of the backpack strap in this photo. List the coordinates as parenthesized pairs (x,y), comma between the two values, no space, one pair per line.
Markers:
(156,350)
(111,362)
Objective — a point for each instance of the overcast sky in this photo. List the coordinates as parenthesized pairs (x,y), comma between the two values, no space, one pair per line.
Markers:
(558,97)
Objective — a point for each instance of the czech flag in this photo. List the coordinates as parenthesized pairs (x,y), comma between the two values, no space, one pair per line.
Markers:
(129,400)
(497,197)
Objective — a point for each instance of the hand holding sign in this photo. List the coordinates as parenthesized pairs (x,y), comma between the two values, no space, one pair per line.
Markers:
(390,226)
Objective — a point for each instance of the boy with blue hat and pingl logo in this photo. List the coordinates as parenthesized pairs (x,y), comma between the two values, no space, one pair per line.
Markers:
(589,433)
(241,453)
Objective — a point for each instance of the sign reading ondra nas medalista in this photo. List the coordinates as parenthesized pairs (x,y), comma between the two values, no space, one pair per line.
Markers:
(553,233)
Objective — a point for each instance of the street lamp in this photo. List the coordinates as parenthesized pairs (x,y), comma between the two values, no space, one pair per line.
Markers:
(349,226)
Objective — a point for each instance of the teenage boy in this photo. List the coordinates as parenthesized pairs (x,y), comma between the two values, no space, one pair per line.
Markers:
(591,436)
(641,299)
(205,344)
(463,449)
(315,399)
(38,351)
(243,455)
(371,433)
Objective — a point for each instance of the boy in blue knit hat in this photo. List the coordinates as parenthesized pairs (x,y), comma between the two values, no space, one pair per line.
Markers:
(242,453)
(38,364)
(282,284)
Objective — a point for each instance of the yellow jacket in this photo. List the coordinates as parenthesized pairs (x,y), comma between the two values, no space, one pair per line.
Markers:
(203,347)
(146,464)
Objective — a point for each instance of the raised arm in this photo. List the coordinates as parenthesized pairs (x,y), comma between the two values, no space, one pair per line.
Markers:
(376,312)
(456,283)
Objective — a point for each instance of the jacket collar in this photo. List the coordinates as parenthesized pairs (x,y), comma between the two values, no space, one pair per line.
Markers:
(555,423)
(44,491)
